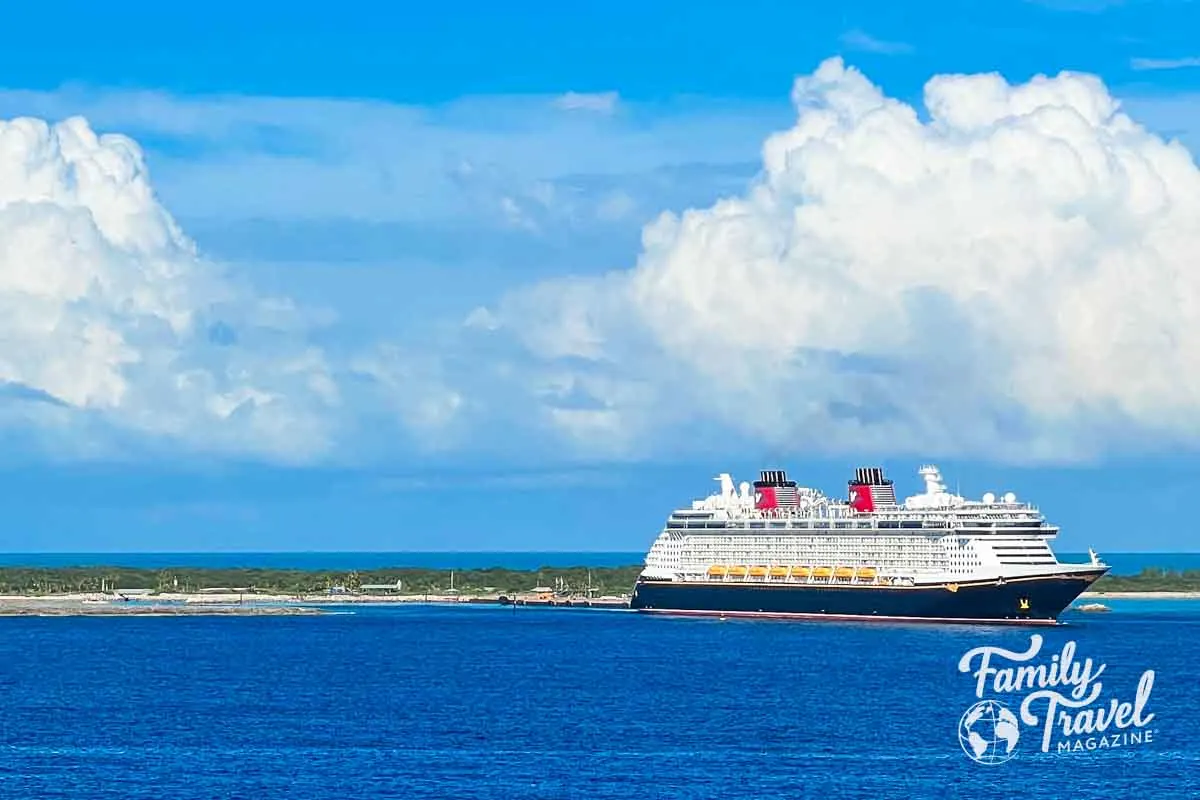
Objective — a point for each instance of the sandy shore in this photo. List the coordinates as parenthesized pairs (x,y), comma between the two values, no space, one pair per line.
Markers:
(1143,595)
(65,607)
(176,604)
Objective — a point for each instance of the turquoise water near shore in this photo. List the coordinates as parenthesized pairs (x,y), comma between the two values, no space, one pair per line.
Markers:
(1122,563)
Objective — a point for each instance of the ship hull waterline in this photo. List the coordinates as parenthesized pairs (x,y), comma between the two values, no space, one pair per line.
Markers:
(1034,600)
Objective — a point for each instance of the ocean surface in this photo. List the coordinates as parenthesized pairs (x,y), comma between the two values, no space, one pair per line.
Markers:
(1122,563)
(503,704)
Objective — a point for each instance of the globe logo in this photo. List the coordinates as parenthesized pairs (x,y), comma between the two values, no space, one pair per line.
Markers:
(988,732)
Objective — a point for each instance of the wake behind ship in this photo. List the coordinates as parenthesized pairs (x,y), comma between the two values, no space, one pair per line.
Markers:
(775,549)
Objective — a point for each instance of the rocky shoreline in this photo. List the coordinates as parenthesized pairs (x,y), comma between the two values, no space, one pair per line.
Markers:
(247,604)
(59,607)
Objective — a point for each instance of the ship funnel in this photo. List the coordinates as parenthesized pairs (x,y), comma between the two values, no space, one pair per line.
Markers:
(773,489)
(870,490)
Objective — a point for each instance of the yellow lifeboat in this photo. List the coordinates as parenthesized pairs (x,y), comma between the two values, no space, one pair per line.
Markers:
(866,573)
(779,572)
(822,572)
(844,572)
(758,572)
(801,572)
(716,571)
(737,572)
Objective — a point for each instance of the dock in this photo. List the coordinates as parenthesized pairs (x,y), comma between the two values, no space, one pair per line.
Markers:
(565,602)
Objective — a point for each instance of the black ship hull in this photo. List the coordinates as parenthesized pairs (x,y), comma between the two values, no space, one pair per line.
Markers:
(1032,600)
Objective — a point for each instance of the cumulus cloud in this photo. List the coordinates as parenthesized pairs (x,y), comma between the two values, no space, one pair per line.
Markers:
(1008,271)
(111,322)
(1012,273)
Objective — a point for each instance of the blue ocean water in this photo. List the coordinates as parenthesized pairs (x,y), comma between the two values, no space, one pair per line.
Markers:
(489,703)
(1122,563)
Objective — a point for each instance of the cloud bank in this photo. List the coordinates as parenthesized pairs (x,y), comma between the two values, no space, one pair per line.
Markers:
(1007,272)
(1010,273)
(111,324)
(304,159)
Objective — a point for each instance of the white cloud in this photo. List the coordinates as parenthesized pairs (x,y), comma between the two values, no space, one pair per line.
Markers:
(111,322)
(411,386)
(599,102)
(303,159)
(1010,278)
(866,43)
(1015,277)
(1164,63)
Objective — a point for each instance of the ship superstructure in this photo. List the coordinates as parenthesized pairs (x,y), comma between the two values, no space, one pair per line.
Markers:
(777,549)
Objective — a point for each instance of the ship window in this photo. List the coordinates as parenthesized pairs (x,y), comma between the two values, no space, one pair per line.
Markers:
(714,524)
(820,524)
(889,524)
(674,524)
(756,524)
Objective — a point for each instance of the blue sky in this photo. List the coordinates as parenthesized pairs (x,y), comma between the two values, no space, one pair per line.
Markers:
(429,270)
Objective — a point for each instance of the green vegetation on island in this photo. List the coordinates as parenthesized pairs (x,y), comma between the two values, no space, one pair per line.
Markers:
(597,581)
(578,580)
(1151,579)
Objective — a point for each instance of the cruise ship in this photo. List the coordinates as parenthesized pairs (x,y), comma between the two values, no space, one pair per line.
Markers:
(775,549)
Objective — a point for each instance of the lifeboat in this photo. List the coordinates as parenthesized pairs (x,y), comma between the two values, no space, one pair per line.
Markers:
(866,573)
(844,572)
(737,572)
(822,572)
(716,571)
(801,572)
(779,572)
(758,572)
